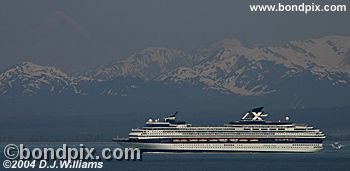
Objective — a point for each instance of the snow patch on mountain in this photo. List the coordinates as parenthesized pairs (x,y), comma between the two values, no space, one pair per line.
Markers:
(147,64)
(29,79)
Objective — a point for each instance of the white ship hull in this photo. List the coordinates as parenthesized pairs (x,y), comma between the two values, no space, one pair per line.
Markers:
(223,147)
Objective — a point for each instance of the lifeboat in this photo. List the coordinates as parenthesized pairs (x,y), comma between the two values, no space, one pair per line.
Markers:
(253,140)
(243,140)
(193,140)
(234,140)
(223,140)
(183,140)
(213,140)
(202,140)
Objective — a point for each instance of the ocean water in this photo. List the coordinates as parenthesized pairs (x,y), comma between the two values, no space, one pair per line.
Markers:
(327,159)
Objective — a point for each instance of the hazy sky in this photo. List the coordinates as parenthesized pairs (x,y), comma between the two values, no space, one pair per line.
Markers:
(78,34)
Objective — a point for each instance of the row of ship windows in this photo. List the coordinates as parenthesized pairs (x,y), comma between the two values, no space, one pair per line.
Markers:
(184,132)
(230,128)
(201,134)
(238,129)
(306,145)
(226,133)
(242,146)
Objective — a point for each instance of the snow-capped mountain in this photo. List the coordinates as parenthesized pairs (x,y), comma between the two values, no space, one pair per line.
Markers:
(238,69)
(228,67)
(28,79)
(147,64)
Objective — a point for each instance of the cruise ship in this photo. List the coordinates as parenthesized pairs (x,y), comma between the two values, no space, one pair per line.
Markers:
(252,133)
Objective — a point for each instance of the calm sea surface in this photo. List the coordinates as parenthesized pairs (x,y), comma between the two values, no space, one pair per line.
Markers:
(328,159)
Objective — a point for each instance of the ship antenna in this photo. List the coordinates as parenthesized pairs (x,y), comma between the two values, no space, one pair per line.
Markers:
(174,115)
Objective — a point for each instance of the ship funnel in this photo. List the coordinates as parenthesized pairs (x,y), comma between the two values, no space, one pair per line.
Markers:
(259,109)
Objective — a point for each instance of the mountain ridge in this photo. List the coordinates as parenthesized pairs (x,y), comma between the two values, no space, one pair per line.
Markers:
(228,66)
